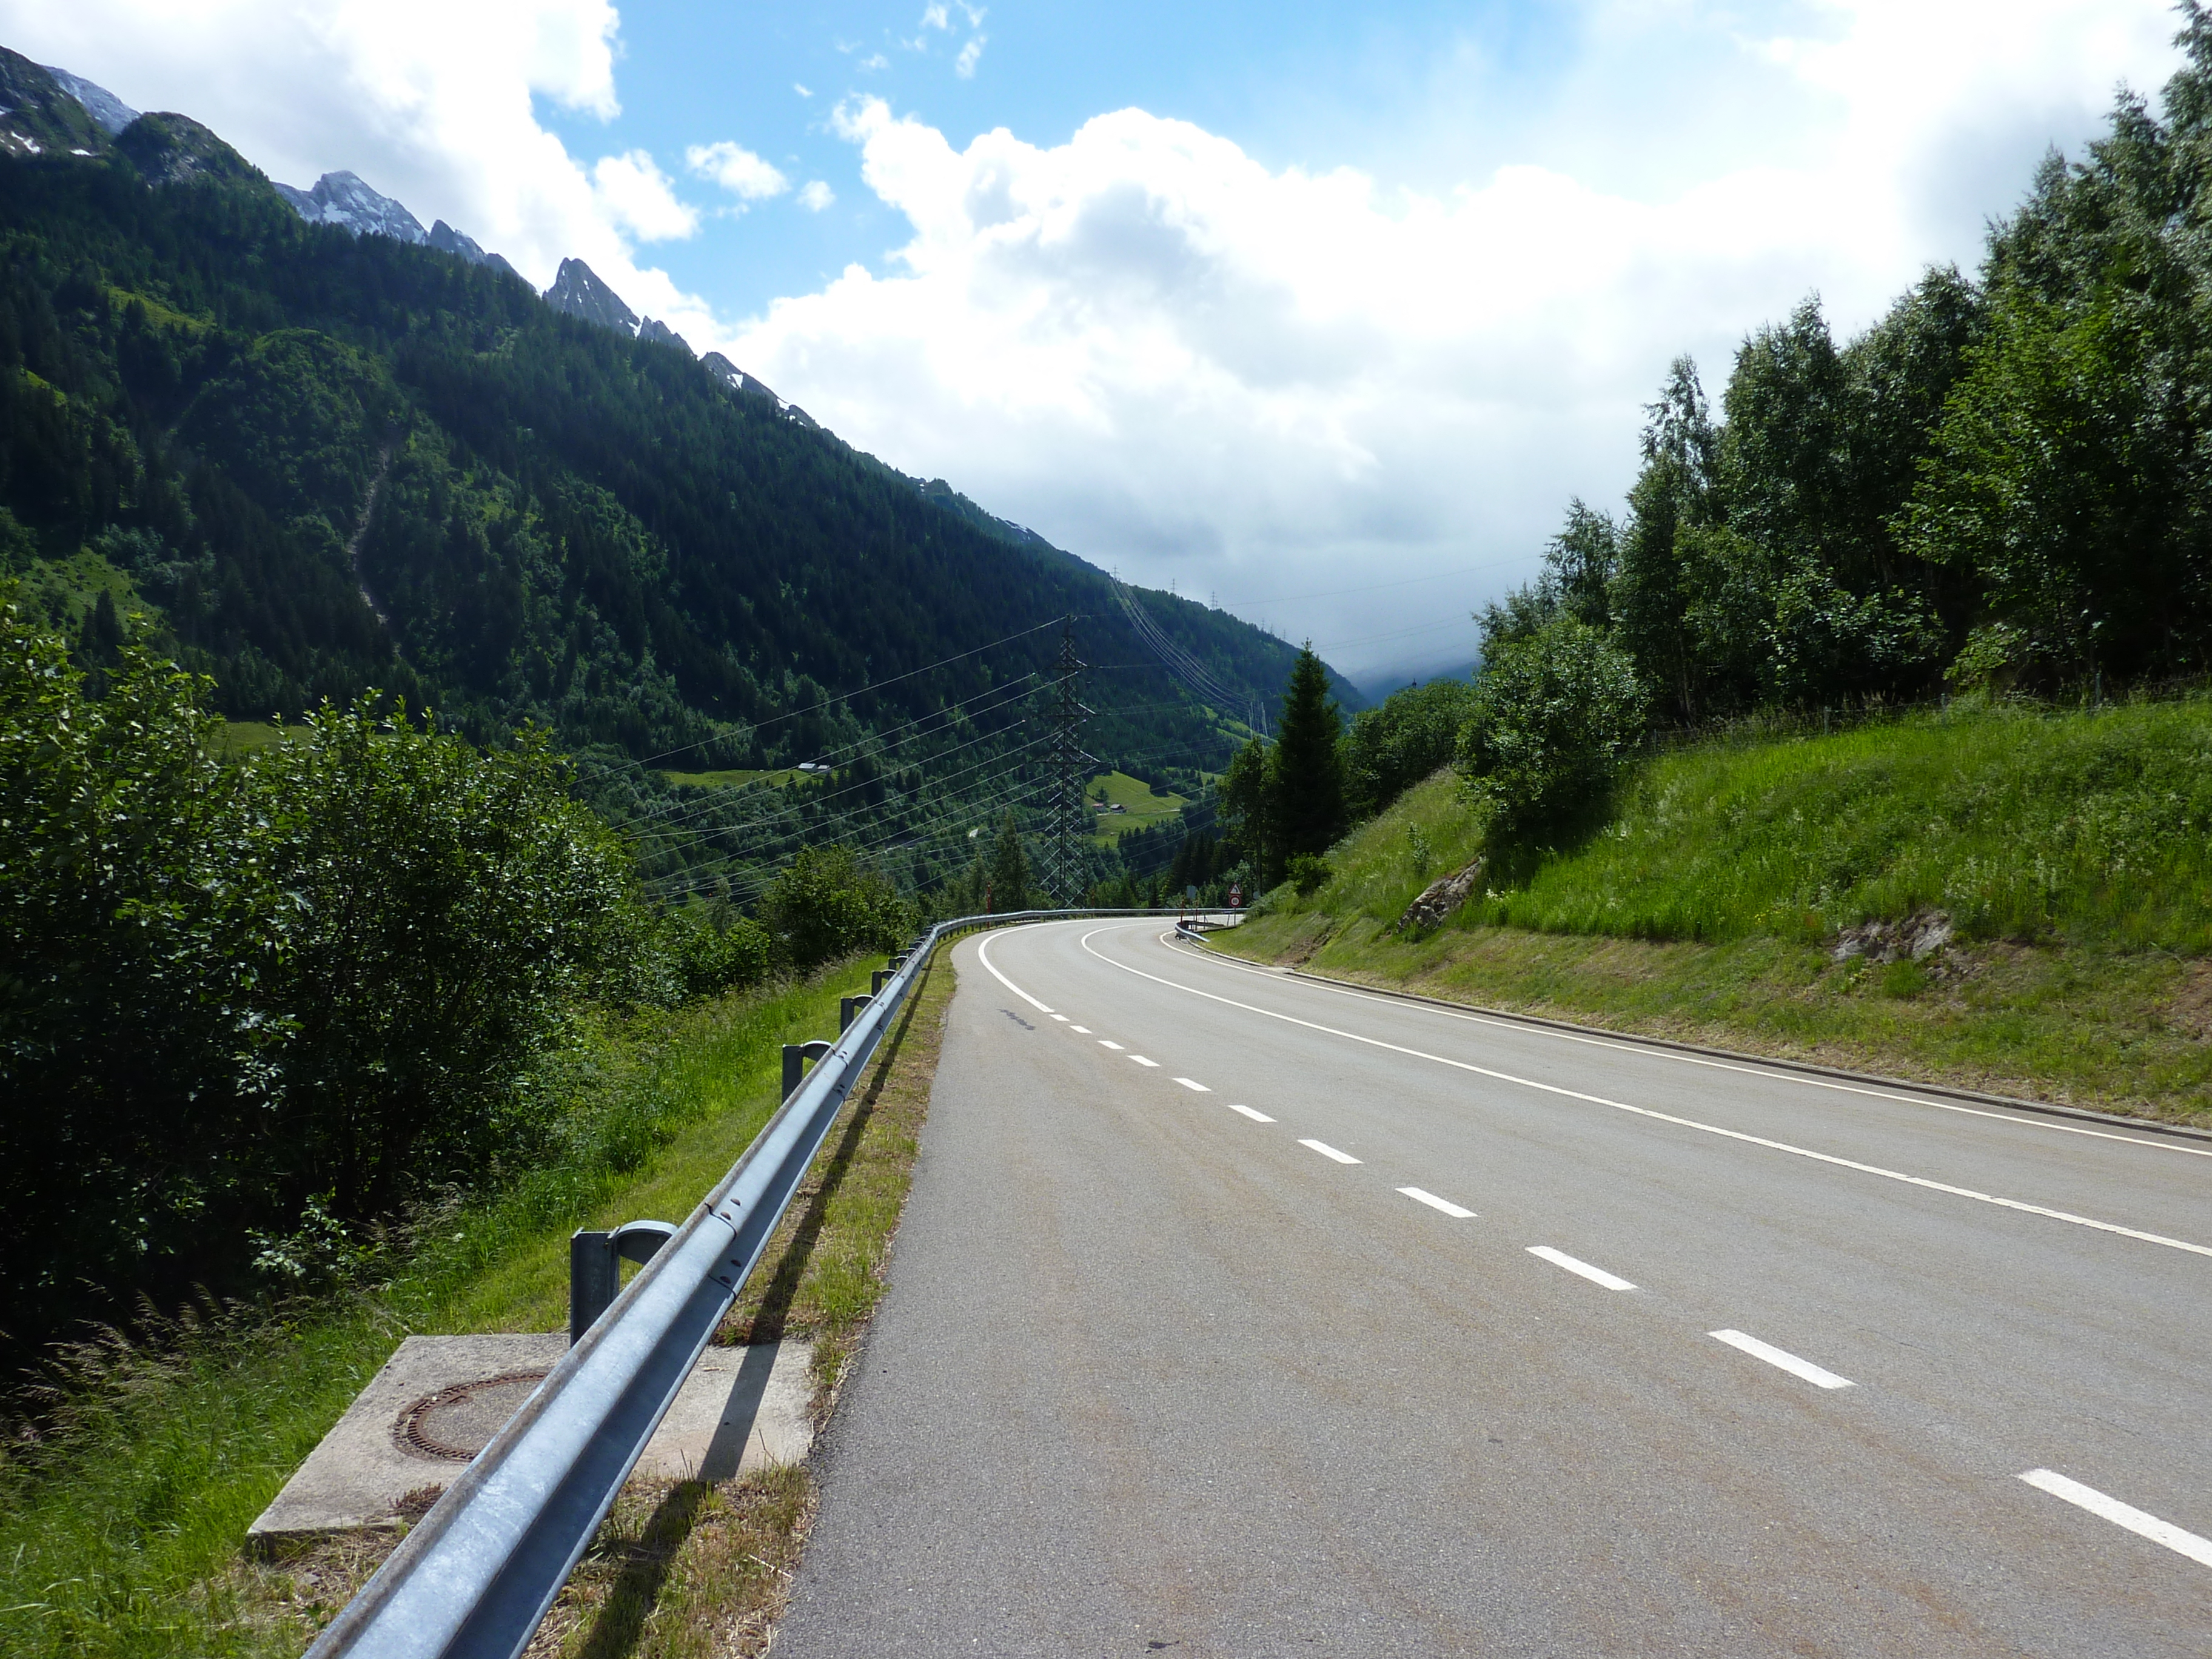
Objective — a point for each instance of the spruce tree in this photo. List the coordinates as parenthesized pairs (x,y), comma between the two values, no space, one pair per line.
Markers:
(1010,870)
(1306,804)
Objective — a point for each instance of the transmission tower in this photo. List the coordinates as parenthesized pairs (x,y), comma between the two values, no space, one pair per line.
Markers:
(1068,829)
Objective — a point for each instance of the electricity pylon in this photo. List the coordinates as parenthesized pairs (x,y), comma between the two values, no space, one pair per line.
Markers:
(1068,827)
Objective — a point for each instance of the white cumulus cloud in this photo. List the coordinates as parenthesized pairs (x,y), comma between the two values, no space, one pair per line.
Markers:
(737,170)
(964,64)
(1168,354)
(1271,381)
(637,194)
(431,102)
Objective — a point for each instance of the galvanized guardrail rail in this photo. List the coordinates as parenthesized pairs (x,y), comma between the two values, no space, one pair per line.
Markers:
(474,1578)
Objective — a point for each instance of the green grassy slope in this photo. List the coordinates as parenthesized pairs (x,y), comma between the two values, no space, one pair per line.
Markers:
(1143,807)
(2069,850)
(121,1525)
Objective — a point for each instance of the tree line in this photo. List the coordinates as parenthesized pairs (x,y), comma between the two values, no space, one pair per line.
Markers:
(313,981)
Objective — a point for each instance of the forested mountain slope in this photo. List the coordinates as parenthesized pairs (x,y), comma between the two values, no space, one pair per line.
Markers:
(315,462)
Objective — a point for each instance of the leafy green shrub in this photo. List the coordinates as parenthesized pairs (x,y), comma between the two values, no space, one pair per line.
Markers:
(707,951)
(1307,875)
(442,907)
(1392,748)
(231,994)
(140,1051)
(828,905)
(1554,716)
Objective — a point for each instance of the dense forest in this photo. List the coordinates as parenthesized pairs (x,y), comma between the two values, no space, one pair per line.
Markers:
(305,464)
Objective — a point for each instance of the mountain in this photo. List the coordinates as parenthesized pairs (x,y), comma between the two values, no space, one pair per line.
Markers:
(311,463)
(342,199)
(446,239)
(39,116)
(103,105)
(578,291)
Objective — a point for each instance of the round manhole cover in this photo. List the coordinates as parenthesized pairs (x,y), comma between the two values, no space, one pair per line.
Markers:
(455,1423)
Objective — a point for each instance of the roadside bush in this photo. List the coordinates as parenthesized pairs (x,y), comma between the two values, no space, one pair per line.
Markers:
(1392,748)
(1554,718)
(442,905)
(231,993)
(140,1047)
(828,905)
(707,951)
(1307,875)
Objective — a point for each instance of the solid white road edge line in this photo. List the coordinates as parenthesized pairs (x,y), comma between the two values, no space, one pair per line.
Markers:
(1778,1074)
(1327,1151)
(2135,1521)
(1256,1117)
(1455,1211)
(1595,1275)
(1669,1117)
(1783,1359)
(983,955)
(1198,1088)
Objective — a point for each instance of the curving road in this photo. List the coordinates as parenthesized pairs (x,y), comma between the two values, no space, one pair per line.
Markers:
(1236,1315)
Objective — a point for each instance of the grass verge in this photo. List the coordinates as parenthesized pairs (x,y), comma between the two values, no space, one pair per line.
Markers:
(121,1519)
(2072,852)
(690,1568)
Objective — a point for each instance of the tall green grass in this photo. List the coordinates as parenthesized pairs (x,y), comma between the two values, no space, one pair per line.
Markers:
(2088,828)
(122,1515)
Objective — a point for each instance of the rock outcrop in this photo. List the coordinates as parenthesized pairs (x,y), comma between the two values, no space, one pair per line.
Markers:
(1440,898)
(577,290)
(1918,937)
(342,199)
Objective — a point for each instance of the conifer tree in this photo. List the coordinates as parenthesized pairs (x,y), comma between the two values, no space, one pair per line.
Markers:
(1010,870)
(1306,804)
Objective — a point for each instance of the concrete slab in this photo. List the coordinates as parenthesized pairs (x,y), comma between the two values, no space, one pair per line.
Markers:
(439,1400)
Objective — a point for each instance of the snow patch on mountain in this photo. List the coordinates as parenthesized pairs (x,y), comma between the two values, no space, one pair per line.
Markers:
(103,105)
(342,199)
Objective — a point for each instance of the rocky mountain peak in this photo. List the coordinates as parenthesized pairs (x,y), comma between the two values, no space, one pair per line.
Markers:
(38,115)
(103,105)
(577,290)
(342,199)
(168,149)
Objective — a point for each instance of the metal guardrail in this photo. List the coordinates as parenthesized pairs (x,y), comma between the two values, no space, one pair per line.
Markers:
(475,1577)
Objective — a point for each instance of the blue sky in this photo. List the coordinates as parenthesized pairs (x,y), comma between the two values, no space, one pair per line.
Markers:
(1327,311)
(1426,94)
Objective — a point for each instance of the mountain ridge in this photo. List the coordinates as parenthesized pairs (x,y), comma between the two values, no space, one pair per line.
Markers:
(652,555)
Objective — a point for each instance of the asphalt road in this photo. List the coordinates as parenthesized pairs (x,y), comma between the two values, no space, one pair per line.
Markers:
(1235,1314)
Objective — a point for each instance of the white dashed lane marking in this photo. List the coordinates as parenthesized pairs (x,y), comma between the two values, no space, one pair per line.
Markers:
(1256,1117)
(1062,1019)
(1819,1377)
(1105,1043)
(1457,1212)
(1327,1151)
(1200,1087)
(2143,1525)
(1141,1060)
(1085,1030)
(1595,1275)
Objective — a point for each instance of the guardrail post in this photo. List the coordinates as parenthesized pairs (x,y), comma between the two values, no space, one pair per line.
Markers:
(876,980)
(595,1260)
(847,1009)
(795,1056)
